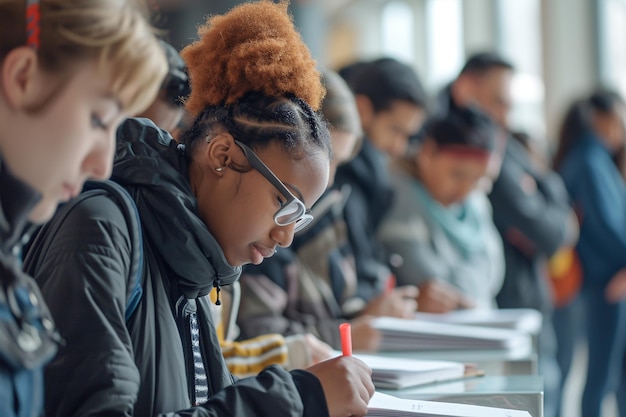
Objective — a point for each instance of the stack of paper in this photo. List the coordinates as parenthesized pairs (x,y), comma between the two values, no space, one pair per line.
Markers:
(522,319)
(382,405)
(395,373)
(419,335)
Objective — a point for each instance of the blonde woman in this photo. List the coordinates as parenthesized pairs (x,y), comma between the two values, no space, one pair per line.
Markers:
(70,72)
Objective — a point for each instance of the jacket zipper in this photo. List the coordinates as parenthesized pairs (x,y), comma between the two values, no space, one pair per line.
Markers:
(185,334)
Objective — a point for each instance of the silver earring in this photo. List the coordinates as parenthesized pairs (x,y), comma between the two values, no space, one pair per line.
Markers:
(219,169)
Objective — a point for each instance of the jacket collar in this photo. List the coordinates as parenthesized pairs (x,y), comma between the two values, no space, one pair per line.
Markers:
(152,167)
(16,201)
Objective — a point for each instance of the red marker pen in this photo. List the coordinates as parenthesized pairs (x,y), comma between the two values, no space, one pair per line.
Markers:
(346,339)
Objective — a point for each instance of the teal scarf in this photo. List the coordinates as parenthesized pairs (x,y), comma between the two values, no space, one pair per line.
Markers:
(461,223)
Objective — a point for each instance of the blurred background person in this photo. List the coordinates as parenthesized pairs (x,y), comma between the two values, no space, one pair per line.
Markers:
(440,226)
(590,158)
(530,205)
(392,108)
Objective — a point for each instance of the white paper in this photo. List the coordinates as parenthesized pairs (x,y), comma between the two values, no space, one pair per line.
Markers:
(419,335)
(522,319)
(382,405)
(396,373)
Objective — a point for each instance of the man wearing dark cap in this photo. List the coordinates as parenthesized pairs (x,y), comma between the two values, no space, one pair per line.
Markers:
(392,108)
(530,206)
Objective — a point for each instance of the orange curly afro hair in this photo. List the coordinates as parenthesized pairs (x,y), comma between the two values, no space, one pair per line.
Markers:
(254,47)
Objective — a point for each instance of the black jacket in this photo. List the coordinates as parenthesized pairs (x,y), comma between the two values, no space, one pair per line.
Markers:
(144,367)
(533,225)
(370,199)
(26,328)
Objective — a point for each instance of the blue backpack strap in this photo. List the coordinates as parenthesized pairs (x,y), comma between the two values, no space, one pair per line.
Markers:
(134,227)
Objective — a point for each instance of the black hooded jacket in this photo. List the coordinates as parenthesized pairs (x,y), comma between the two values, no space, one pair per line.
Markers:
(144,367)
(370,199)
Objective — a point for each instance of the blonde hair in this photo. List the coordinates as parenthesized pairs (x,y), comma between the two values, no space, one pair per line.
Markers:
(115,33)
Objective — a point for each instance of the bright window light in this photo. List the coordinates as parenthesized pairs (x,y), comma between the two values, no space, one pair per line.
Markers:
(444,21)
(398,36)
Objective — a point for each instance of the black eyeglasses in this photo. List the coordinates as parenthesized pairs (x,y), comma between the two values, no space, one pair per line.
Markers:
(292,210)
(32,23)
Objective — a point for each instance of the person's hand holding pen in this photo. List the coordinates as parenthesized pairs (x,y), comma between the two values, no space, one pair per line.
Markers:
(346,381)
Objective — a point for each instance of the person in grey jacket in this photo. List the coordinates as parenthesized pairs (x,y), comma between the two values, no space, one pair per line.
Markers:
(440,228)
(237,188)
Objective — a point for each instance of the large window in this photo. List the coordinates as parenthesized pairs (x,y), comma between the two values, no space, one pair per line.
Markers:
(444,26)
(612,43)
(398,33)
(519,27)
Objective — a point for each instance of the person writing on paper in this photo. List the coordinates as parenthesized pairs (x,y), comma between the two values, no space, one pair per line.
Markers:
(311,287)
(392,108)
(70,72)
(243,358)
(440,226)
(237,187)
(248,356)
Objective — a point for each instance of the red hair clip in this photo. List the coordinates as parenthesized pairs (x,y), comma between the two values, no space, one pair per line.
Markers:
(32,23)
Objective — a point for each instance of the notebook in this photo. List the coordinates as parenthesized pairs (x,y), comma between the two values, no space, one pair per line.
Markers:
(384,405)
(419,335)
(397,373)
(522,319)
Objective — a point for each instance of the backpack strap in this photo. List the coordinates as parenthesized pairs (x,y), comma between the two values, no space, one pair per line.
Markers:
(44,237)
(133,223)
